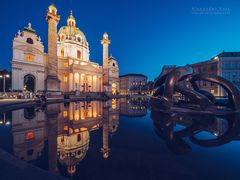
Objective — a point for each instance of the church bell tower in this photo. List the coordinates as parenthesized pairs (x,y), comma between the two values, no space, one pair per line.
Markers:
(52,81)
(105,42)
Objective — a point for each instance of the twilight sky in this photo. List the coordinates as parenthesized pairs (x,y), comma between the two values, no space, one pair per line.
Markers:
(145,34)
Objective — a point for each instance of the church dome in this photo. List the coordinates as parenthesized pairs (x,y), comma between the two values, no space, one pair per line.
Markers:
(71,32)
(72,148)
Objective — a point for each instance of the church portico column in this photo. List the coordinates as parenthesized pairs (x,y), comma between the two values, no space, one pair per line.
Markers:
(80,81)
(97,83)
(71,82)
(92,89)
(76,81)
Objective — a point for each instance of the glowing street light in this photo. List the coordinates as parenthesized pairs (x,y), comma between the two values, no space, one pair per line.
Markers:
(4,76)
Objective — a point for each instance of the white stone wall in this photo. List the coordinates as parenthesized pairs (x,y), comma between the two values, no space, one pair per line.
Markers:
(22,67)
(71,48)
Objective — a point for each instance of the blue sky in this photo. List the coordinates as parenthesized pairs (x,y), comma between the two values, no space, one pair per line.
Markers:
(145,34)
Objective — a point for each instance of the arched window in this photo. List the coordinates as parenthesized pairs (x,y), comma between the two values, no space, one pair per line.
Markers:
(79,54)
(62,52)
(29,41)
(62,37)
(78,137)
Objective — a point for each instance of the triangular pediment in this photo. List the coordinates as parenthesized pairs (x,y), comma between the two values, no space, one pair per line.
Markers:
(88,67)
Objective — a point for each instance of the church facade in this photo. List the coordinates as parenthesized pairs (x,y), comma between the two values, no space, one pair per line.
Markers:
(67,66)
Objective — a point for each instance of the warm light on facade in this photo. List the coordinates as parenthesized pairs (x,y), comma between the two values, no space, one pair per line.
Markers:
(76,62)
(76,115)
(65,64)
(76,76)
(83,129)
(65,78)
(83,63)
(76,130)
(65,128)
(65,114)
(29,57)
(114,104)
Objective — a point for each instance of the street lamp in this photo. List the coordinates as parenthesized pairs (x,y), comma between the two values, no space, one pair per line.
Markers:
(4,76)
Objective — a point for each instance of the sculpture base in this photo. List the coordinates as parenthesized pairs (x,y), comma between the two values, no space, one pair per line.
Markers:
(53,85)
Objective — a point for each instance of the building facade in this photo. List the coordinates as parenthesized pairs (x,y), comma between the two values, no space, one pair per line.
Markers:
(208,67)
(225,64)
(133,84)
(67,66)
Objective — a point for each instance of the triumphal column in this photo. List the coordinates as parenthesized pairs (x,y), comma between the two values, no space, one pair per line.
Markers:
(52,81)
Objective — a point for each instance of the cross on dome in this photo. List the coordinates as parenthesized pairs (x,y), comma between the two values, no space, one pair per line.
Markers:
(71,20)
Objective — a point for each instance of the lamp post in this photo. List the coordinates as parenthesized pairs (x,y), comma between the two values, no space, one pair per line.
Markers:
(4,76)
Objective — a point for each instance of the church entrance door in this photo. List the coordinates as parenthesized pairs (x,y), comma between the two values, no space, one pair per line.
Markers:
(29,83)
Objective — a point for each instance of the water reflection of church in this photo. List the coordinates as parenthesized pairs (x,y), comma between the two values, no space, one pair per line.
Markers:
(63,131)
(67,130)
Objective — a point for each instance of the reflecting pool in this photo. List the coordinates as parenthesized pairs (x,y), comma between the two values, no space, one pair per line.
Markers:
(122,139)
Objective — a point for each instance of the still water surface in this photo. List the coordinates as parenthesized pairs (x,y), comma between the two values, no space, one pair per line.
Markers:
(122,139)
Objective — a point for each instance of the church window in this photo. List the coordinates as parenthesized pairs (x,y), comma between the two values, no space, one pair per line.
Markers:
(65,128)
(79,39)
(29,41)
(62,52)
(113,64)
(79,54)
(29,57)
(29,136)
(65,79)
(65,114)
(62,37)
(62,139)
(65,64)
(78,137)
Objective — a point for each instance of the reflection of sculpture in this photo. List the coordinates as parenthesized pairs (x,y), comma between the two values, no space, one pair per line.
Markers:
(194,124)
(181,80)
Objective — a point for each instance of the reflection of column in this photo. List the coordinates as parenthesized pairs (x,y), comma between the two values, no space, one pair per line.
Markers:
(105,128)
(52,113)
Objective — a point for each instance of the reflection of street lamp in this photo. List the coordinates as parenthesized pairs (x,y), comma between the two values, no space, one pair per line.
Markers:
(4,76)
(4,120)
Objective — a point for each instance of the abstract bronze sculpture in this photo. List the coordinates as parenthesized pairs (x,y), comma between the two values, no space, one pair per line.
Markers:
(182,81)
(179,100)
